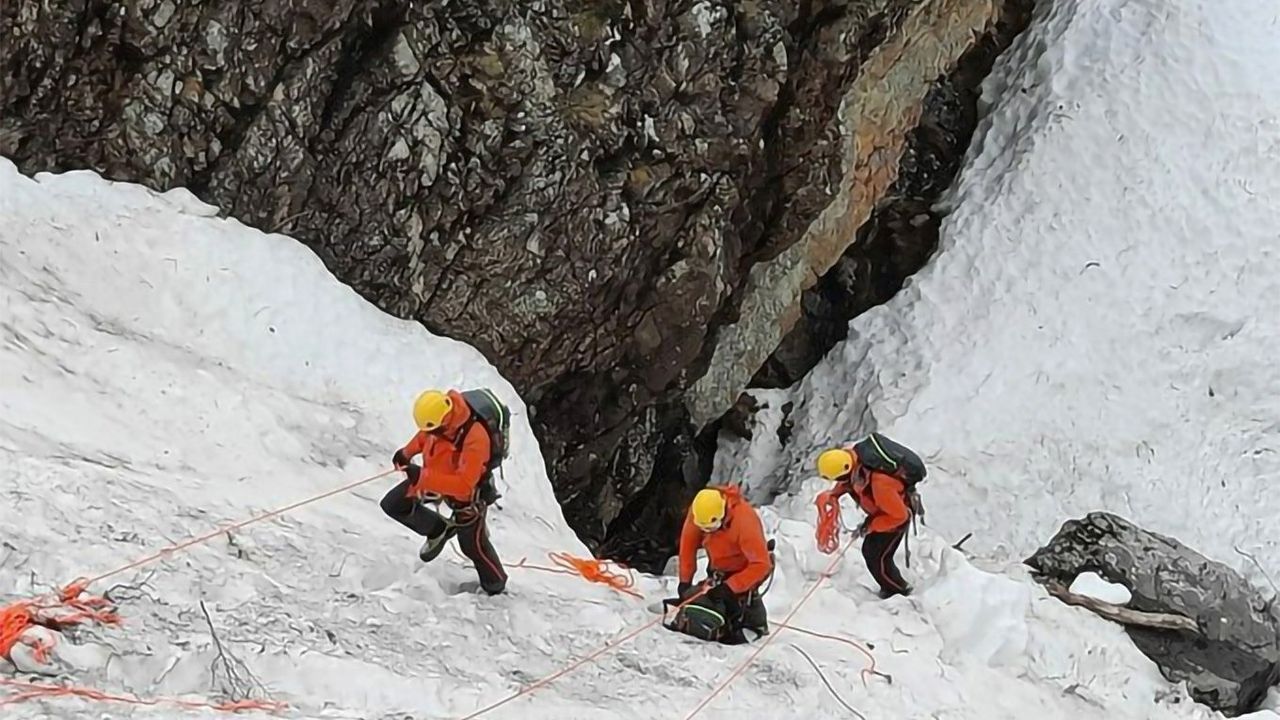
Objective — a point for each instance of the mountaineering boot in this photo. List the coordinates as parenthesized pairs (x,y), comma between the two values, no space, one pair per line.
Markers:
(886,594)
(435,543)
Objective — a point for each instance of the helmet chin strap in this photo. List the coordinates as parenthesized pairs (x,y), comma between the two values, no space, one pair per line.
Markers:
(724,523)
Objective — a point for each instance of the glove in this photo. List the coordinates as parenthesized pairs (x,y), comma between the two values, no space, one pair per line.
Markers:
(862,529)
(399,461)
(684,589)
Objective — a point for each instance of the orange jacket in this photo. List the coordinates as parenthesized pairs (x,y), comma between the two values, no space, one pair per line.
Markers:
(737,549)
(452,466)
(882,497)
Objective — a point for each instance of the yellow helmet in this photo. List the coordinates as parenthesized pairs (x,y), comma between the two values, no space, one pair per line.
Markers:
(836,463)
(431,408)
(708,509)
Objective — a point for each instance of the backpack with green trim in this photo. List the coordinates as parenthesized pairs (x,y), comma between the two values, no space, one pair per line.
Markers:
(702,618)
(495,417)
(879,453)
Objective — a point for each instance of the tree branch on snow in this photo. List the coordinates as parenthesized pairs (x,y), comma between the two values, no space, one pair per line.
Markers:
(240,552)
(228,674)
(1074,689)
(117,593)
(962,541)
(1123,615)
(341,566)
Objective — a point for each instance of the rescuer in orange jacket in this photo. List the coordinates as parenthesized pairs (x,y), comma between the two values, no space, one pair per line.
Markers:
(738,559)
(455,456)
(883,498)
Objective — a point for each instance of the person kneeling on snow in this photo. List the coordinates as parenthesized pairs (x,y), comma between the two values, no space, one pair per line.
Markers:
(738,562)
(458,451)
(881,475)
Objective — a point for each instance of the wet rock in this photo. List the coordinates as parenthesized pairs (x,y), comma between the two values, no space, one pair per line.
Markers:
(901,233)
(738,421)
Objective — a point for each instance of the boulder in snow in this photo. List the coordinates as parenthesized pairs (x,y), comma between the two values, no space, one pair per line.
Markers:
(1233,659)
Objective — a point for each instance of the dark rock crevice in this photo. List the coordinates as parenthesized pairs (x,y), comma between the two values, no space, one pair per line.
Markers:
(898,239)
(785,195)
(650,467)
(902,234)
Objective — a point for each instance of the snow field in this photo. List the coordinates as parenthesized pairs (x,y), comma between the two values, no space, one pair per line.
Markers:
(163,371)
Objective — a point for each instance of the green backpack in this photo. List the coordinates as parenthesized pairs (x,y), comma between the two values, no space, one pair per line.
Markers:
(703,618)
(877,452)
(490,412)
(495,417)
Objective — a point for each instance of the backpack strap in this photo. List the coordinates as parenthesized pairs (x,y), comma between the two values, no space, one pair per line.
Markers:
(457,441)
(916,505)
(906,542)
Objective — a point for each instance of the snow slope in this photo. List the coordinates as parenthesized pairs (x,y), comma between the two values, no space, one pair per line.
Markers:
(1099,328)
(163,371)
(166,371)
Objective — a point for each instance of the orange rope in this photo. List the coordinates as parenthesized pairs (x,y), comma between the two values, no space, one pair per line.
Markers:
(828,532)
(579,662)
(234,526)
(16,618)
(770,638)
(569,565)
(524,564)
(565,670)
(869,670)
(589,569)
(32,691)
(598,571)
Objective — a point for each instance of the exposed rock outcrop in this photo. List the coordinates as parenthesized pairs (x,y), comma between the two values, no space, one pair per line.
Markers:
(618,202)
(902,233)
(1231,661)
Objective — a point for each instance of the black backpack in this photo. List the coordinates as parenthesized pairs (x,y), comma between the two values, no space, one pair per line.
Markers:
(877,452)
(703,618)
(494,416)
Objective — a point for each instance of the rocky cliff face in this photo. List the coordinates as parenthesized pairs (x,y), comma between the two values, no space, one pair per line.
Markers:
(620,202)
(901,233)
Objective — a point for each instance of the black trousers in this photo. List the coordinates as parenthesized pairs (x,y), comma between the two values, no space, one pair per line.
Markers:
(468,525)
(878,550)
(754,614)
(748,612)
